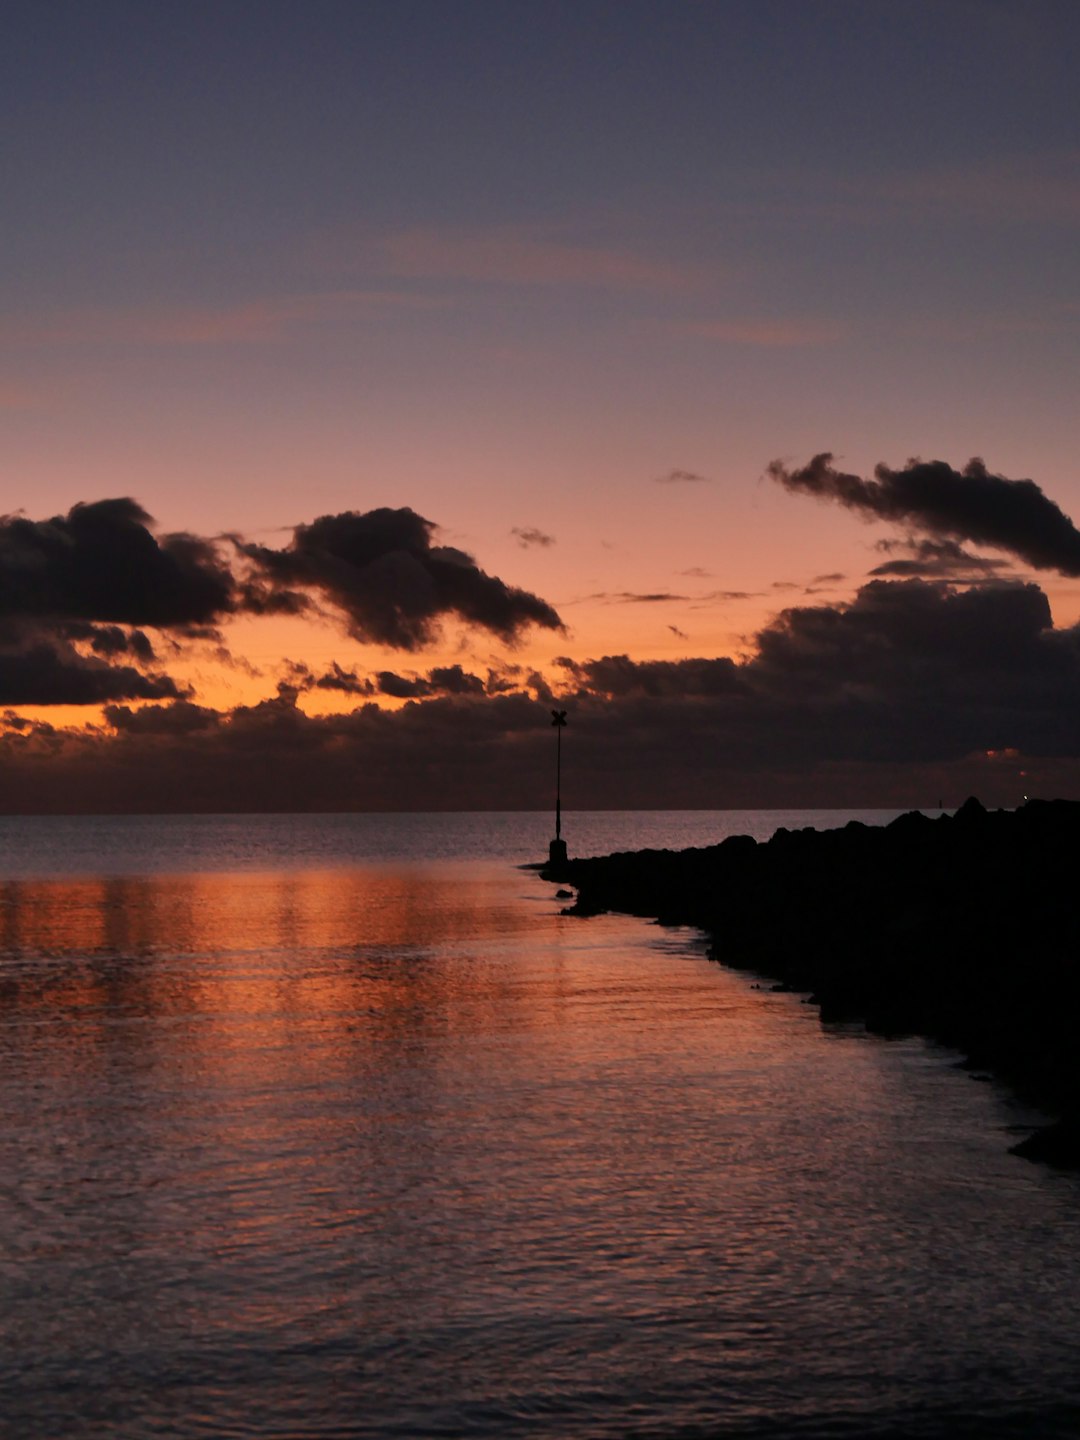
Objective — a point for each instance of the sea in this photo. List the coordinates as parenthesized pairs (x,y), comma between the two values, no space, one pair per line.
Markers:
(338,1127)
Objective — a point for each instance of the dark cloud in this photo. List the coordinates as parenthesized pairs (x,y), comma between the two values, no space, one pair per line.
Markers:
(529,535)
(77,590)
(209,633)
(74,591)
(681,477)
(401,687)
(910,672)
(299,677)
(257,597)
(382,572)
(910,692)
(633,597)
(665,597)
(347,681)
(442,680)
(297,673)
(679,634)
(180,718)
(502,682)
(966,505)
(539,686)
(11,721)
(616,676)
(933,560)
(102,562)
(110,641)
(453,680)
(103,565)
(916,679)
(272,756)
(43,672)
(895,634)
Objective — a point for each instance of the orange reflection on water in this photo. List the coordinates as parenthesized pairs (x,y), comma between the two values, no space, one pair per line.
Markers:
(381,1111)
(211,914)
(286,953)
(262,996)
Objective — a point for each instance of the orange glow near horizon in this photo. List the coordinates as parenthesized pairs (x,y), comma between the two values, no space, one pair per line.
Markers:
(259,652)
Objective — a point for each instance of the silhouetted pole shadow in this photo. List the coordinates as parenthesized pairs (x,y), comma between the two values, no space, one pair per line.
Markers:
(557,849)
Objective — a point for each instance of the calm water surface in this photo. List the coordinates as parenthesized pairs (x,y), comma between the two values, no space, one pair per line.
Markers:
(336,1127)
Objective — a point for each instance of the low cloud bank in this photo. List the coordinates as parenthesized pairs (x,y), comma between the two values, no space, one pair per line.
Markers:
(939,678)
(914,692)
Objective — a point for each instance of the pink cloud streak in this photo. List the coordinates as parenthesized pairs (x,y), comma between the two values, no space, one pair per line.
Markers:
(499,255)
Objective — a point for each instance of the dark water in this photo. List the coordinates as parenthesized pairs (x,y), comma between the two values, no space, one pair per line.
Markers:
(365,1140)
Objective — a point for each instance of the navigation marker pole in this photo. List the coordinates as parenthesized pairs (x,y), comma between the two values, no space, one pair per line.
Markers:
(557,855)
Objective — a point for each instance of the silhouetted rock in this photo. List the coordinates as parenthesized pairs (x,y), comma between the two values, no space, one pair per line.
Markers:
(963,928)
(1054,1145)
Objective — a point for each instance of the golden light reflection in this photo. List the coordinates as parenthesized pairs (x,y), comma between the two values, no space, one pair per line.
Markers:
(388,1099)
(272,913)
(246,985)
(277,952)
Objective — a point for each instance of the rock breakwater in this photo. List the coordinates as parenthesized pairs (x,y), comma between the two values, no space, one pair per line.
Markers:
(963,928)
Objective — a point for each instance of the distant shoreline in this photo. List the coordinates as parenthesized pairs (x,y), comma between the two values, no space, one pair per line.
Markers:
(963,928)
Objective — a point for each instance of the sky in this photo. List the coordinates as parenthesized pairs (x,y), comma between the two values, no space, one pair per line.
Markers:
(376,377)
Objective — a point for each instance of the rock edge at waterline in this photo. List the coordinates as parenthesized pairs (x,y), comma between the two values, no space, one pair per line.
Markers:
(963,928)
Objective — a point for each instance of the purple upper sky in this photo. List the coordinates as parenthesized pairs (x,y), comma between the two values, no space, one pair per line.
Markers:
(502,268)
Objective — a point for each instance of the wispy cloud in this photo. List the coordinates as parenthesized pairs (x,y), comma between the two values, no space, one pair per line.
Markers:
(528,535)
(681,477)
(790,334)
(664,597)
(256,321)
(1025,188)
(656,597)
(495,255)
(934,560)
(635,597)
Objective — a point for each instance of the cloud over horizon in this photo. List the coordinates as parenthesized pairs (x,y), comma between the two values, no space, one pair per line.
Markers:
(78,592)
(913,685)
(964,505)
(933,560)
(381,572)
(102,562)
(940,658)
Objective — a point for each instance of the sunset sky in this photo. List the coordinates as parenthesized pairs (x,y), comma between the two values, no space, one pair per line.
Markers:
(443,358)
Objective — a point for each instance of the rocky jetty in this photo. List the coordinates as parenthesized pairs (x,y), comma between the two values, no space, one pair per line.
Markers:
(964,928)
